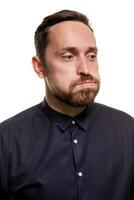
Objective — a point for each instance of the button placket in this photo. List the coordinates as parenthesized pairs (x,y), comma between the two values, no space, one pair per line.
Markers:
(77,153)
(75,146)
(75,141)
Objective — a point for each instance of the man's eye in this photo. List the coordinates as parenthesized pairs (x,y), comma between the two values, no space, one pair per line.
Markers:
(67,57)
(91,56)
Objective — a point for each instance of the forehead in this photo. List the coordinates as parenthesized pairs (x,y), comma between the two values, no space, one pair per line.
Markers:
(71,33)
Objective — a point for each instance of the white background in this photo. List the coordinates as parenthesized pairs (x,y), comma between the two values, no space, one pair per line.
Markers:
(113,24)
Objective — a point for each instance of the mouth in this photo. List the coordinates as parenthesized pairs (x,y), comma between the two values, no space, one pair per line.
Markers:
(86,84)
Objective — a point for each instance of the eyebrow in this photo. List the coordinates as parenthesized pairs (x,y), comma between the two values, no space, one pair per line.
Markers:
(75,50)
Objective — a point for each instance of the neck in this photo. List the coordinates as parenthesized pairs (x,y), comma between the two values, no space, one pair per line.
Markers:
(62,107)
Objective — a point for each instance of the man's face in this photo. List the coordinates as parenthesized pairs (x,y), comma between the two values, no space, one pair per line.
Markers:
(71,59)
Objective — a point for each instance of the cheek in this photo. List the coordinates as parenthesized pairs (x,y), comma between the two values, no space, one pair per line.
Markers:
(95,71)
(61,74)
(61,79)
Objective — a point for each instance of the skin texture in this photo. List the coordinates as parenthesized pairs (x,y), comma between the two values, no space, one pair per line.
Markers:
(71,69)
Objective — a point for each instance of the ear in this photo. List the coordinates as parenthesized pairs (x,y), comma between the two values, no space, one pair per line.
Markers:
(38,68)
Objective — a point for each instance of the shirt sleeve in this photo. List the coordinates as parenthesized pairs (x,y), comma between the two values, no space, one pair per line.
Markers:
(132,184)
(4,163)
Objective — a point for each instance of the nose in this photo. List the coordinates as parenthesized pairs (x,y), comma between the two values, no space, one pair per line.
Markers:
(83,66)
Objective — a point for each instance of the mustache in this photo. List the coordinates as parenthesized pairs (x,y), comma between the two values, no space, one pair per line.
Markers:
(84,78)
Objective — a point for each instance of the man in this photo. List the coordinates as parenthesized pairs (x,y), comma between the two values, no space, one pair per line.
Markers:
(68,147)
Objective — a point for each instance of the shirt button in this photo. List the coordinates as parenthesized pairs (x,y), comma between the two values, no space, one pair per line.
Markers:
(80,174)
(75,141)
(73,122)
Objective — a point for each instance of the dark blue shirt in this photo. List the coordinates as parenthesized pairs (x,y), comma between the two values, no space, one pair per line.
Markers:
(46,155)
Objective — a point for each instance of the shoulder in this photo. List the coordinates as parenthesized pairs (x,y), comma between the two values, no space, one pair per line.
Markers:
(113,114)
(110,110)
(22,117)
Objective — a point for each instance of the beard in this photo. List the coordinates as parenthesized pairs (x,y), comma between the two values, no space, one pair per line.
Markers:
(79,98)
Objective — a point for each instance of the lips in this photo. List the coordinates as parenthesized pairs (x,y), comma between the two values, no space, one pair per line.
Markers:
(86,82)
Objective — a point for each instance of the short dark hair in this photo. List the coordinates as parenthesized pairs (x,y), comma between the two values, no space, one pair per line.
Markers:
(42,31)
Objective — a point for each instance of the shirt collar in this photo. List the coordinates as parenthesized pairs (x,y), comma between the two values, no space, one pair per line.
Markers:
(63,121)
